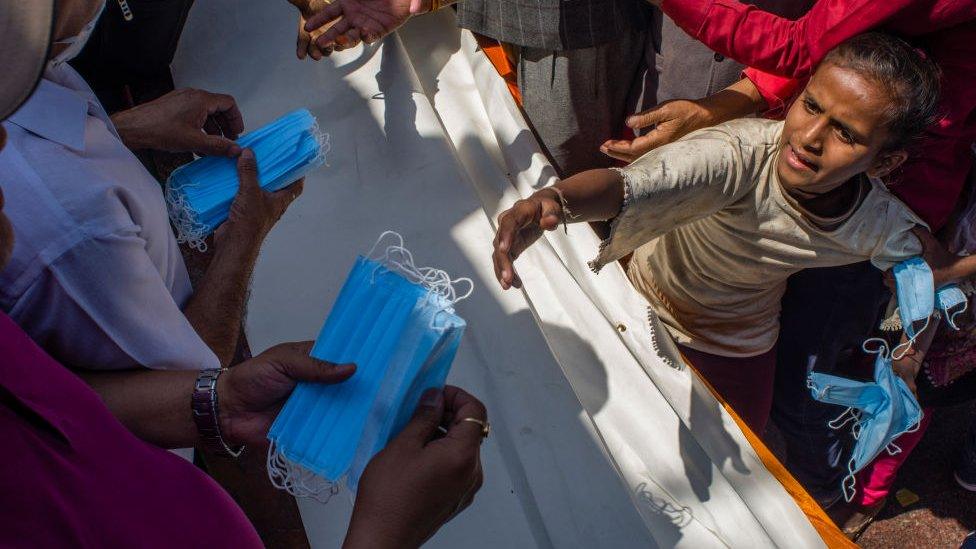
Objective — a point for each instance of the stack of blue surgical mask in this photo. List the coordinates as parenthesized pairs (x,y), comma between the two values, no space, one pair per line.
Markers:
(880,410)
(199,194)
(396,322)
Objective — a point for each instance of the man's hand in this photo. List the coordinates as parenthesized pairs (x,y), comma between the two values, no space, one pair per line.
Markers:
(251,393)
(306,46)
(353,21)
(672,120)
(254,211)
(668,121)
(422,479)
(184,120)
(520,226)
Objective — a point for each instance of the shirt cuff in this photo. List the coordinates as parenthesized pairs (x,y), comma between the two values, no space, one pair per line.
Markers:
(690,15)
(777,91)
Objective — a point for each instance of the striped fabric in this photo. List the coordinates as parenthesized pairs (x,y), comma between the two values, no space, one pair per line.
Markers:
(553,24)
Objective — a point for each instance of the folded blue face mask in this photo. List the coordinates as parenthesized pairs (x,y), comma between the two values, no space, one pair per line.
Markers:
(396,322)
(952,302)
(880,410)
(199,194)
(915,288)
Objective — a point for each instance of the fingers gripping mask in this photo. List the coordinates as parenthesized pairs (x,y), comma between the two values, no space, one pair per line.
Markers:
(880,411)
(396,322)
(199,194)
(915,288)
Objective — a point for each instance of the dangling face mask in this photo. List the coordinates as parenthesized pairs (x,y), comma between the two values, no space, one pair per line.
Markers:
(75,43)
(952,302)
(881,411)
(915,287)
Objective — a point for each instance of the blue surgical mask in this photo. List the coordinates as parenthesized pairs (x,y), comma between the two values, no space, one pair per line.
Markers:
(397,324)
(915,288)
(952,302)
(199,194)
(881,410)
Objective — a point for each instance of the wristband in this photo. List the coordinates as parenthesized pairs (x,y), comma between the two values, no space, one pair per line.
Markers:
(563,206)
(206,414)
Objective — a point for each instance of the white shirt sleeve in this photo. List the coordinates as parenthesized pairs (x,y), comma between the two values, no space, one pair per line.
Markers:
(103,304)
(898,243)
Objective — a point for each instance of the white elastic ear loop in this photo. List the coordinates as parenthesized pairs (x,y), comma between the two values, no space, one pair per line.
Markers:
(849,483)
(882,348)
(454,298)
(951,318)
(466,294)
(847,416)
(385,234)
(297,480)
(896,355)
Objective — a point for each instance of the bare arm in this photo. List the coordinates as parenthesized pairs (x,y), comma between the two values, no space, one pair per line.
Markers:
(672,120)
(155,404)
(593,195)
(216,309)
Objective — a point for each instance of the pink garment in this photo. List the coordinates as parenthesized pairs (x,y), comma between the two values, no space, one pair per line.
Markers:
(875,480)
(73,476)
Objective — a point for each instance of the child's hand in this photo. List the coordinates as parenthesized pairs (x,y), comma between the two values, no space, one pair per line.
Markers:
(519,227)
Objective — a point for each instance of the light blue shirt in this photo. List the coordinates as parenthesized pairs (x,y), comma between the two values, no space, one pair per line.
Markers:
(96,276)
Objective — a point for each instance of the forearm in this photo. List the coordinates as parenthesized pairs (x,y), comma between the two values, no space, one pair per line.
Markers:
(153,404)
(963,268)
(593,195)
(133,134)
(739,100)
(216,309)
(364,533)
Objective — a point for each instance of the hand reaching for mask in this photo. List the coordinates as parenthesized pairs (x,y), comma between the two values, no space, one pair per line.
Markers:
(342,24)
(672,120)
(184,120)
(307,46)
(519,227)
(668,122)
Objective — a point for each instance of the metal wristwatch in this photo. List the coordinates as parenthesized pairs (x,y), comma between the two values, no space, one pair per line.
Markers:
(206,414)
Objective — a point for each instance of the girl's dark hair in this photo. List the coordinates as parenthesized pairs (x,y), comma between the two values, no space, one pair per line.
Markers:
(908,76)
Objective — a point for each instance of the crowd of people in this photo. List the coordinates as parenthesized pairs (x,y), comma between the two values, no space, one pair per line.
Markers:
(757,169)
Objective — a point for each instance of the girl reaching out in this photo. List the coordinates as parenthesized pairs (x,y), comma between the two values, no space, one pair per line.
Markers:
(718,220)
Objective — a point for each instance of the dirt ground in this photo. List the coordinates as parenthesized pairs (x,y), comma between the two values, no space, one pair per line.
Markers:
(945,513)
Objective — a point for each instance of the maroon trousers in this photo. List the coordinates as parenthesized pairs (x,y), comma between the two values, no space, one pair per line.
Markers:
(745,383)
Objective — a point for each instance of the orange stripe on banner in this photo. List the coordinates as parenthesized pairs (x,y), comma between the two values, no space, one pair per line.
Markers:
(829,531)
(503,59)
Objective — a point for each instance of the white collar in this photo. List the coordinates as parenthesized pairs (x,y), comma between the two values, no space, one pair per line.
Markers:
(58,112)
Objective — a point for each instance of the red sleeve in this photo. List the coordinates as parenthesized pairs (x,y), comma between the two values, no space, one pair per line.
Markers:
(775,44)
(777,91)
